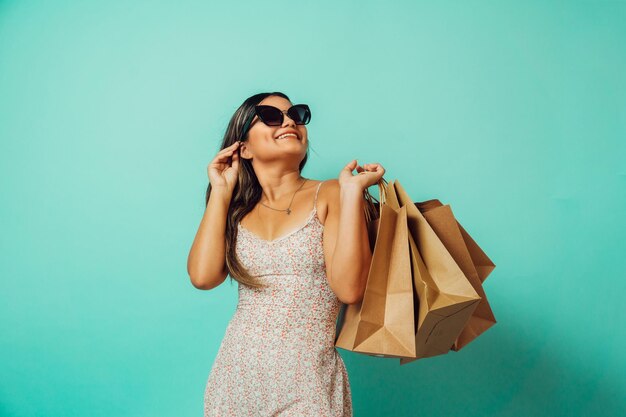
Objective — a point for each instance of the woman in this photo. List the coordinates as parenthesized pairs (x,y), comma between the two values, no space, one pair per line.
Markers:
(298,248)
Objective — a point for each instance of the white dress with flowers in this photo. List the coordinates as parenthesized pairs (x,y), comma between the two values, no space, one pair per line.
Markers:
(278,357)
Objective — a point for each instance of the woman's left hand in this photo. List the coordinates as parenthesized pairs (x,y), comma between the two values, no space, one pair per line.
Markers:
(368,174)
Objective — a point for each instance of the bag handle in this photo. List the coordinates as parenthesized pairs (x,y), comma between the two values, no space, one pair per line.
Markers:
(371,212)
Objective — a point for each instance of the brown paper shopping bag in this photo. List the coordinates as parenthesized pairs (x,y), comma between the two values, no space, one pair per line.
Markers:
(447,299)
(382,324)
(474,263)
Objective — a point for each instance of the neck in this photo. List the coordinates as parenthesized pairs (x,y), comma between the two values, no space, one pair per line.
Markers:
(285,190)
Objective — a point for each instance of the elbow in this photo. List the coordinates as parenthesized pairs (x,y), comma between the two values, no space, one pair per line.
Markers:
(351,299)
(198,283)
(356,292)
(203,283)
(355,296)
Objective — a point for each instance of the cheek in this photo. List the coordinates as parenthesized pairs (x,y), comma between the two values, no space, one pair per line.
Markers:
(269,131)
(262,135)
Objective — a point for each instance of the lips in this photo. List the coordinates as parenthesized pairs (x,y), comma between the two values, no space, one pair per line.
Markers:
(289,131)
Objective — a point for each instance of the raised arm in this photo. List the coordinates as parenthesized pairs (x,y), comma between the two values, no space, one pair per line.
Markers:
(346,243)
(206,264)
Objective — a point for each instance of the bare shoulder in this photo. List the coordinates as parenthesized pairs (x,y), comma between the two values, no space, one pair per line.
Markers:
(328,198)
(329,185)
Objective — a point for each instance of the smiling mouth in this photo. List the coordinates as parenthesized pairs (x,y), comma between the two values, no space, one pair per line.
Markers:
(287,136)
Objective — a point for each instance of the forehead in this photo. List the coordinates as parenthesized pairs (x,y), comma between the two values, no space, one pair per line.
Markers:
(276,101)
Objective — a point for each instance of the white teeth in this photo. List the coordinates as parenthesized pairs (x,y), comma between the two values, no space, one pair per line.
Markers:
(287,134)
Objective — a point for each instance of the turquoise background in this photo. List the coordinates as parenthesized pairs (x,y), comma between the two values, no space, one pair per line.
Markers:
(514,113)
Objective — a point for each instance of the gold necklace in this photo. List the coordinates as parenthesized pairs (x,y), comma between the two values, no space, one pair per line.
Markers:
(288,210)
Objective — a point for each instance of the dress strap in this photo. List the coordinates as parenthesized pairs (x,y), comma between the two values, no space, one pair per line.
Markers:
(316,193)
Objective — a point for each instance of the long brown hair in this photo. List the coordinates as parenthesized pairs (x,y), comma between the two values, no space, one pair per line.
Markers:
(247,192)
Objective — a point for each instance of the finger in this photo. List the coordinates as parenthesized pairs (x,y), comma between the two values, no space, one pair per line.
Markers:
(225,160)
(235,161)
(223,157)
(231,149)
(228,151)
(350,166)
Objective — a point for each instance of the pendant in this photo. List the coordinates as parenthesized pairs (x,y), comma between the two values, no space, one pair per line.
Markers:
(288,211)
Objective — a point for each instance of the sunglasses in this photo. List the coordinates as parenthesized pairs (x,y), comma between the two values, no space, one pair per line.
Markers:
(272,116)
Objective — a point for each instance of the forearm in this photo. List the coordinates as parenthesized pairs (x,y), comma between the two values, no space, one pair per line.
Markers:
(352,255)
(206,261)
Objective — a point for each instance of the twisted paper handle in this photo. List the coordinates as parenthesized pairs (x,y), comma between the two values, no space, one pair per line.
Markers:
(371,212)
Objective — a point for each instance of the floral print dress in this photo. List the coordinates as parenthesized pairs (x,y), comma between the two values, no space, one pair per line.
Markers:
(278,357)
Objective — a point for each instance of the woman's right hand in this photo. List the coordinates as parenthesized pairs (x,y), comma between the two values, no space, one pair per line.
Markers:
(224,168)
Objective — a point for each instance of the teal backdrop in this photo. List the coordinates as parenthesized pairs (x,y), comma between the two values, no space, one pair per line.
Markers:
(514,113)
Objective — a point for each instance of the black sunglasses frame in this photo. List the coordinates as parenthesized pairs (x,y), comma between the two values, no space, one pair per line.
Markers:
(289,112)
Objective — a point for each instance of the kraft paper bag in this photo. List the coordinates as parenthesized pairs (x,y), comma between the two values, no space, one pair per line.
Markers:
(447,299)
(474,263)
(382,324)
(442,217)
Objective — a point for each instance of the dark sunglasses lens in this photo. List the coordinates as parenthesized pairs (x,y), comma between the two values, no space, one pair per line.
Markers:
(271,116)
(300,114)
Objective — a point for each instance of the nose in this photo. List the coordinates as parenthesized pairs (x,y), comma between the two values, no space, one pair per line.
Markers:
(288,121)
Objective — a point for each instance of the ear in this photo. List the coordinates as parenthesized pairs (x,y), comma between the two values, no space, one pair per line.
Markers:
(243,150)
